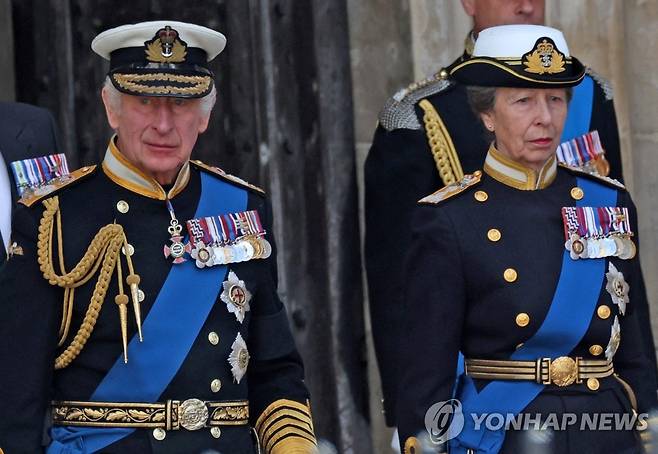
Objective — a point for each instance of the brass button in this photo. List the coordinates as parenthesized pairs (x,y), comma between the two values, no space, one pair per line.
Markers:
(596,350)
(123,206)
(494,235)
(577,193)
(510,275)
(140,295)
(481,196)
(593,384)
(603,312)
(159,434)
(522,319)
(213,338)
(216,385)
(215,432)
(477,173)
(443,74)
(131,250)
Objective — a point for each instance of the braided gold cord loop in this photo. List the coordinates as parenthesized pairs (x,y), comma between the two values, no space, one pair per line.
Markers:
(443,150)
(103,253)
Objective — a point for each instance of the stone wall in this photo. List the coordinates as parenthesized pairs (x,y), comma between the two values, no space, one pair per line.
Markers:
(7,53)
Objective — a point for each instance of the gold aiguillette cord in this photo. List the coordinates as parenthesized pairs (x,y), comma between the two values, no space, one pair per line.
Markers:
(101,256)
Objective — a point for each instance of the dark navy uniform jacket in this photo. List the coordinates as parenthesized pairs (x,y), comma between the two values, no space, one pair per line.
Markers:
(32,312)
(401,168)
(459,296)
(25,132)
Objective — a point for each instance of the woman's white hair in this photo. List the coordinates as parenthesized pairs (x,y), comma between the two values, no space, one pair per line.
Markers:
(114,97)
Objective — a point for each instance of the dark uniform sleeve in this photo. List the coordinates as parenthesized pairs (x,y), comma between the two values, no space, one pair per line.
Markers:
(399,170)
(604,120)
(31,312)
(635,361)
(435,309)
(278,398)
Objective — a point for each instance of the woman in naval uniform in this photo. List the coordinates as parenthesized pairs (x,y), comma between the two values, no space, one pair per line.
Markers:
(530,270)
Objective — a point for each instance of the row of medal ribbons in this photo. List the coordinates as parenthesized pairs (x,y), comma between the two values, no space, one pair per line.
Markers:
(227,238)
(598,232)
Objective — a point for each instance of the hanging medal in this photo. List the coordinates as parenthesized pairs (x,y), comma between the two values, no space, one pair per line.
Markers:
(584,152)
(176,250)
(598,232)
(36,175)
(227,238)
(203,235)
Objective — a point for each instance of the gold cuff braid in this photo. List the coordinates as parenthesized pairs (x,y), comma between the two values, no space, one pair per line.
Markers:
(286,427)
(443,150)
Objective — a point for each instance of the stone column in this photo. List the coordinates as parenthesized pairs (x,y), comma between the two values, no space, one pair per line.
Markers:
(382,63)
(641,72)
(438,30)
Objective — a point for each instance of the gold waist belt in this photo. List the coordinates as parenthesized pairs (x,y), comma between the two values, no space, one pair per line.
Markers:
(191,414)
(562,371)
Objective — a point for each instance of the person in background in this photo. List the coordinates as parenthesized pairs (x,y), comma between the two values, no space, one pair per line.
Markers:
(27,136)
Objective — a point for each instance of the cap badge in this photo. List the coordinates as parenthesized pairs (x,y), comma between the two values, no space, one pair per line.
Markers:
(166,47)
(544,59)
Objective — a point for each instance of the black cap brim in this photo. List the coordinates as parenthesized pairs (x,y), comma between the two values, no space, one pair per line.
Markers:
(492,72)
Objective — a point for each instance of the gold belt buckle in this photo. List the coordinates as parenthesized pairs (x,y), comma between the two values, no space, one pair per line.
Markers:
(193,414)
(563,371)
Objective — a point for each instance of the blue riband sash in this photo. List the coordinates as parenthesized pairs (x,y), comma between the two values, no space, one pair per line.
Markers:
(579,115)
(566,323)
(169,331)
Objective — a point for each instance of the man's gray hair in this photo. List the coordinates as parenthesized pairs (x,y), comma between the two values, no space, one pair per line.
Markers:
(114,96)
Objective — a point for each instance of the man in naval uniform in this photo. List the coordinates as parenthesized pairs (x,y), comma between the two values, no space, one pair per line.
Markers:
(427,137)
(143,316)
(26,132)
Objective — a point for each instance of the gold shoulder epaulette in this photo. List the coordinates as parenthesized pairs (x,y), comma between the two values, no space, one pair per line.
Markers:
(227,176)
(31,196)
(594,176)
(452,190)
